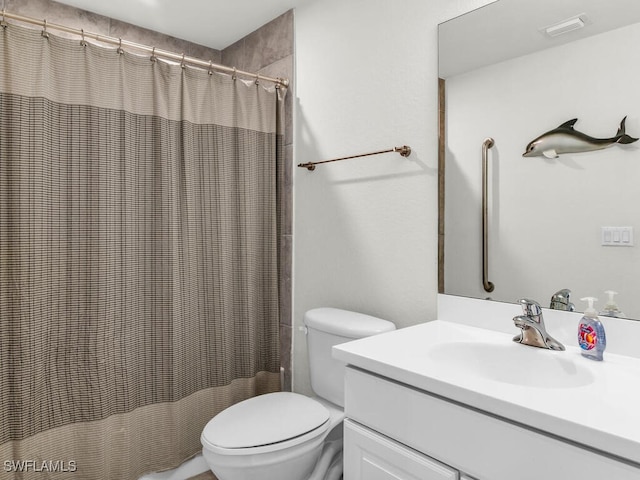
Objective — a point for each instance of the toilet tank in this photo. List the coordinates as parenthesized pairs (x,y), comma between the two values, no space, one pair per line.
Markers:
(327,327)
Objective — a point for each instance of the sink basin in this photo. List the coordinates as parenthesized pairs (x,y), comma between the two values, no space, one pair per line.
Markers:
(512,363)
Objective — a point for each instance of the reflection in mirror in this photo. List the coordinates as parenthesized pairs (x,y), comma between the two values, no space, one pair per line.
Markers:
(504,76)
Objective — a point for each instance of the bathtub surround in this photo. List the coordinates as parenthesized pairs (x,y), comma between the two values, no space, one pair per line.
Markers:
(139,246)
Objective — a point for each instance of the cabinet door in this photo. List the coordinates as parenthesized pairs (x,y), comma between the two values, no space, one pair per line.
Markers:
(371,456)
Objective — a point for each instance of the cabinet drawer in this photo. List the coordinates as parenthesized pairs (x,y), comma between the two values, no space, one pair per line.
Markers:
(481,445)
(370,456)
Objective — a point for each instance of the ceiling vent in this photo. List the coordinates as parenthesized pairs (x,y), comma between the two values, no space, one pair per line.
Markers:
(565,26)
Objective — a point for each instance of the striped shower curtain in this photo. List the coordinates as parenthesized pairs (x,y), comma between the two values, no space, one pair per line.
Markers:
(138,256)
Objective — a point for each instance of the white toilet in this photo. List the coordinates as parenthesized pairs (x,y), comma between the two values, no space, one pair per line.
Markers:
(288,436)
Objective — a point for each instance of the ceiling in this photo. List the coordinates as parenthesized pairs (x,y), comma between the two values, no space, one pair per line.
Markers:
(508,29)
(213,23)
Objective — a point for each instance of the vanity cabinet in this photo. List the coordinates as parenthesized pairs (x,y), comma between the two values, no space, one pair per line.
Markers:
(394,431)
(374,457)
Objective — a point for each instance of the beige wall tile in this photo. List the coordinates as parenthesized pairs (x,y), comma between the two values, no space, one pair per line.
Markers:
(55,12)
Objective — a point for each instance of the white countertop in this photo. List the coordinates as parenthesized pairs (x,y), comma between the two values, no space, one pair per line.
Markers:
(602,412)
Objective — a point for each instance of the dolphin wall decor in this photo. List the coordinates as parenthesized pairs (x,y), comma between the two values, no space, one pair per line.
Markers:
(565,139)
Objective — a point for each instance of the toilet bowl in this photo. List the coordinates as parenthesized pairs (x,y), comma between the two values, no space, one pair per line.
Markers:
(285,435)
(278,435)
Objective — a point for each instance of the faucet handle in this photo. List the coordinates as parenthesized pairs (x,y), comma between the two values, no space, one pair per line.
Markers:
(560,300)
(530,308)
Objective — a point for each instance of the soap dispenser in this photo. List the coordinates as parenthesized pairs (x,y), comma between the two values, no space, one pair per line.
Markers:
(591,337)
(611,309)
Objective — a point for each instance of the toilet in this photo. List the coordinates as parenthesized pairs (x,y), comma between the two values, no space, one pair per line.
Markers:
(285,435)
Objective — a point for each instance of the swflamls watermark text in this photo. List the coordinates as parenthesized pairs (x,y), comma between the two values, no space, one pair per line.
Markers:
(40,466)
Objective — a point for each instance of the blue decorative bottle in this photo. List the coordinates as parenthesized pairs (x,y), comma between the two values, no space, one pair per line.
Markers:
(591,337)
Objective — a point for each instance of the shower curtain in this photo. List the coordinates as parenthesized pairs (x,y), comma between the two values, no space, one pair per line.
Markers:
(138,255)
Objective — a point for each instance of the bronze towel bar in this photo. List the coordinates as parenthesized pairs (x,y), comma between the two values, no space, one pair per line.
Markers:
(405,151)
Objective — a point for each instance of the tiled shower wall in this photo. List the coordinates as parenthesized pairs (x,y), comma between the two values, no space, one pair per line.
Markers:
(55,12)
(268,50)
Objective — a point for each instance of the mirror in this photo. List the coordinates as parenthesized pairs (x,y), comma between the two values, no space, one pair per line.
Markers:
(503,76)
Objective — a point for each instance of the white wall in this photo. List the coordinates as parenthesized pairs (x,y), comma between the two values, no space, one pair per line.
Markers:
(365,230)
(546,215)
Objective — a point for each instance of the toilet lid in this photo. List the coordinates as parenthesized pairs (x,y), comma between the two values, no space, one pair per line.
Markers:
(264,420)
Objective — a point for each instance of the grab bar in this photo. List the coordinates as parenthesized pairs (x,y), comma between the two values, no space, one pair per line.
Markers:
(488,286)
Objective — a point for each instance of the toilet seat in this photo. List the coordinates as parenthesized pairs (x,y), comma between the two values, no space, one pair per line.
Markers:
(267,423)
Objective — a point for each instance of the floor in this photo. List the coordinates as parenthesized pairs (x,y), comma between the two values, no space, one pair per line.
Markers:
(194,469)
(204,476)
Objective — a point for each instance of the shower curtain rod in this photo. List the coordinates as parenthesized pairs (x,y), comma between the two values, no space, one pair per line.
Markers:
(405,151)
(155,52)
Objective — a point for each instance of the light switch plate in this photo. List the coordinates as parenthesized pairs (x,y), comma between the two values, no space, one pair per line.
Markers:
(617,236)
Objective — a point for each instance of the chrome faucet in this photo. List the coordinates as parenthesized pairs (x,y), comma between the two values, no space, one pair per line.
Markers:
(534,333)
(560,301)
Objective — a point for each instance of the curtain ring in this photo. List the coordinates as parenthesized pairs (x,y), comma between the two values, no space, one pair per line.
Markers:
(257,79)
(153,57)
(120,50)
(234,76)
(210,67)
(45,34)
(83,42)
(182,64)
(3,22)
